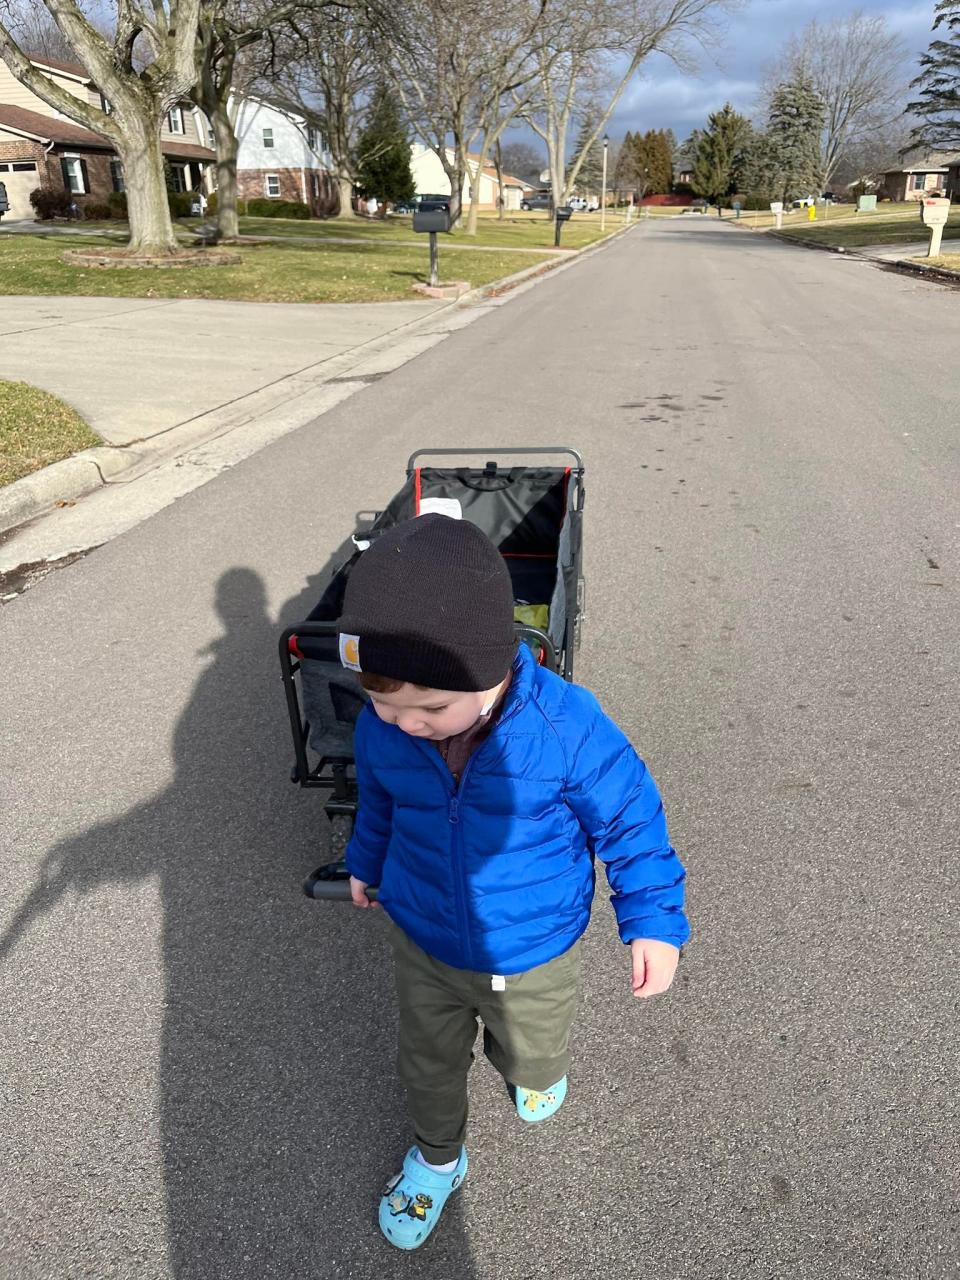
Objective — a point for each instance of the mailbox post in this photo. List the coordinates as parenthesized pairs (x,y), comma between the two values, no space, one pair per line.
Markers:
(560,216)
(934,212)
(432,221)
(776,208)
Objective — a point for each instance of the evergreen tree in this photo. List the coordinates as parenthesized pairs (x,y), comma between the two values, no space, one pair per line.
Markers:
(625,173)
(719,157)
(793,130)
(654,162)
(761,177)
(383,153)
(938,102)
(590,177)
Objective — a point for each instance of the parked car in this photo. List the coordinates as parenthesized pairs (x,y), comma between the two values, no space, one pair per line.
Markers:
(536,202)
(578,204)
(699,205)
(405,206)
(805,202)
(432,204)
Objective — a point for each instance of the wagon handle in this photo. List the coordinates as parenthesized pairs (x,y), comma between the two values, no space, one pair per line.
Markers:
(537,450)
(332,884)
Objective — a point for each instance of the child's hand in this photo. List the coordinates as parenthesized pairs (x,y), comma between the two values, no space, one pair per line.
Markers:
(654,964)
(358,892)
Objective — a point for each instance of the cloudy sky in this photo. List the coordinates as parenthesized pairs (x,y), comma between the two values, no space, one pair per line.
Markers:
(667,98)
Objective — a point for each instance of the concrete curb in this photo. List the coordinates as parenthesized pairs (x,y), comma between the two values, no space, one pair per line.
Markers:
(908,267)
(73,478)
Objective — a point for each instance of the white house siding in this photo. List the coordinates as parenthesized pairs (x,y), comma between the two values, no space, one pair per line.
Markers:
(15,94)
(429,179)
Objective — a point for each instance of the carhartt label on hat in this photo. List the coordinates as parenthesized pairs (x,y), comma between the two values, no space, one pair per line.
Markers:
(442,507)
(350,652)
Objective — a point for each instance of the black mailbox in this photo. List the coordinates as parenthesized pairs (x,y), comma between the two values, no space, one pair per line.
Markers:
(564,213)
(432,220)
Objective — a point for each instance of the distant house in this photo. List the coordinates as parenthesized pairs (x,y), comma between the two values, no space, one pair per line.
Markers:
(430,179)
(40,147)
(922,177)
(281,157)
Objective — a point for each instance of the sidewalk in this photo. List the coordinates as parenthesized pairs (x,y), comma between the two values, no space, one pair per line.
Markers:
(180,391)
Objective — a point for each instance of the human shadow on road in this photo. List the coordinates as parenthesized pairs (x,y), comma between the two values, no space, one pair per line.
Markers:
(280,1111)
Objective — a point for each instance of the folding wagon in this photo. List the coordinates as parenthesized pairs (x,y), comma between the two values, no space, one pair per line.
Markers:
(533,513)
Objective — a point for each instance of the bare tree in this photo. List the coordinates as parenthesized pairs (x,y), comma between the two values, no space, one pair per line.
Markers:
(456,65)
(139,97)
(591,53)
(857,66)
(227,29)
(325,70)
(36,31)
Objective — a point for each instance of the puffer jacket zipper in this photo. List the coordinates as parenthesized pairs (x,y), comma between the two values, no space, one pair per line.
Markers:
(455,793)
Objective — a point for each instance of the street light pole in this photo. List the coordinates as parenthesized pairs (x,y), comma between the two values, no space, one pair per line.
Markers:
(603,192)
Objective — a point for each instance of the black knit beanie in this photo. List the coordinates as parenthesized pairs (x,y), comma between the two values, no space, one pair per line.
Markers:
(430,603)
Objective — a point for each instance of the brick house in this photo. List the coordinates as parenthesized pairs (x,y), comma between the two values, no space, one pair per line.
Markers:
(280,156)
(932,173)
(40,147)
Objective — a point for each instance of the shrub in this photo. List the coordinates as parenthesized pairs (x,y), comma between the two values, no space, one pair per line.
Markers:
(212,205)
(180,202)
(49,203)
(278,209)
(117,201)
(95,211)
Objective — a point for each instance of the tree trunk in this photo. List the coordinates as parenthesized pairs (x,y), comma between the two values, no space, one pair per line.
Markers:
(228,222)
(345,188)
(474,211)
(498,161)
(151,228)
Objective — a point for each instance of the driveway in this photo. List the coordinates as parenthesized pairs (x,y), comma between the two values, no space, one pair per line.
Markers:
(135,368)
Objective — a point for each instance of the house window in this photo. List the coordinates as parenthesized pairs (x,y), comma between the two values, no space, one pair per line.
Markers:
(25,168)
(315,185)
(74,175)
(105,106)
(175,120)
(178,177)
(116,175)
(919,181)
(313,138)
(273,185)
(268,137)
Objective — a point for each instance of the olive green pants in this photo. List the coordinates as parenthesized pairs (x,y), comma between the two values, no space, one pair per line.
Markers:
(526,1033)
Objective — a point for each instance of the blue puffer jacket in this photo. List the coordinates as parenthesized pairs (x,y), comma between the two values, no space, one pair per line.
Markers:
(498,876)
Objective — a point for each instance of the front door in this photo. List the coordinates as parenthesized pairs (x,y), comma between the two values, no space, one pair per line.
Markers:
(20,177)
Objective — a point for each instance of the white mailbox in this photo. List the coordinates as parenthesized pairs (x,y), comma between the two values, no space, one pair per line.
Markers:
(934,211)
(776,208)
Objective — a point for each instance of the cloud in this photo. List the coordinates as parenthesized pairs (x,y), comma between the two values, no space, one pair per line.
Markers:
(732,70)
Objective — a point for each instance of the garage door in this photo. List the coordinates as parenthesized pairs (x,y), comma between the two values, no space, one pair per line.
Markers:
(20,178)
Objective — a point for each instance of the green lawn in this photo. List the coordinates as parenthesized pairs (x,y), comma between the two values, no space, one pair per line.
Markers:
(892,224)
(517,231)
(269,273)
(943,261)
(35,430)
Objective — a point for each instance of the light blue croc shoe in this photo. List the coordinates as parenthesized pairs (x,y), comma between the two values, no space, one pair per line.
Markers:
(413,1200)
(534,1106)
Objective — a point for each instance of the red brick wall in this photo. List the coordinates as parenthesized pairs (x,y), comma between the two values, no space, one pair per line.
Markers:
(22,149)
(252,184)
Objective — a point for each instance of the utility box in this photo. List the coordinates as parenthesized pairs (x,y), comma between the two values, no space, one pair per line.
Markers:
(433,220)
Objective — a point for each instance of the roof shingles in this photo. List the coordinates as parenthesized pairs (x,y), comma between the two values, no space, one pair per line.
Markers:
(65,133)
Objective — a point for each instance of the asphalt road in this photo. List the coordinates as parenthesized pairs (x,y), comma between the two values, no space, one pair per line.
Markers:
(198,1075)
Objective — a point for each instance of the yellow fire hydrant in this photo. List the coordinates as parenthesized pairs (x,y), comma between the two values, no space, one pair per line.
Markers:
(811,213)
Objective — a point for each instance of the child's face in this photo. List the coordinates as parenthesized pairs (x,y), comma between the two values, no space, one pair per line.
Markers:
(432,713)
